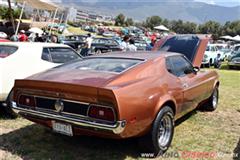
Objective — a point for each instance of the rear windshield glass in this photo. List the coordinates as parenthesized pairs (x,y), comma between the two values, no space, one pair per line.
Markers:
(7,50)
(75,38)
(62,55)
(107,64)
(186,45)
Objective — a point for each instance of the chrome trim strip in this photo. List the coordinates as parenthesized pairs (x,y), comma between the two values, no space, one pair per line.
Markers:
(116,128)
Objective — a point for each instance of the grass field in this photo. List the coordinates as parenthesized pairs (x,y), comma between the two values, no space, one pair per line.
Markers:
(216,132)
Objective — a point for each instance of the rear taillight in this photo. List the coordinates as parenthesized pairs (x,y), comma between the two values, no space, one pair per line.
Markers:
(4,55)
(27,101)
(100,112)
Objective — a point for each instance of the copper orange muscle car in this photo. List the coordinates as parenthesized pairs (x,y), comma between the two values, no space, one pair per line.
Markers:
(122,95)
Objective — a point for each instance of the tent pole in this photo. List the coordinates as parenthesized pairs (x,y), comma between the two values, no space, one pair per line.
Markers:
(53,20)
(61,18)
(20,18)
(11,14)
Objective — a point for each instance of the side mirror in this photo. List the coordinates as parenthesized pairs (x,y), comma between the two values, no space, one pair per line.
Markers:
(196,69)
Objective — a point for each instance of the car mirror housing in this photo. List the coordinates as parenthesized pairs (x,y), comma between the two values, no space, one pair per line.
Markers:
(196,69)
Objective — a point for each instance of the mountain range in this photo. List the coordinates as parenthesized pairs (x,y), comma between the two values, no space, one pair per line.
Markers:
(187,10)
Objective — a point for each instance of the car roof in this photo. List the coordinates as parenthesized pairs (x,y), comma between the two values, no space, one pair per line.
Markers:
(143,55)
(36,44)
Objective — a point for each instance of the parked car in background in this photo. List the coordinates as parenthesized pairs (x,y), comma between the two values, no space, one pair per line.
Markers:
(225,53)
(108,34)
(140,44)
(121,95)
(210,56)
(220,45)
(236,47)
(103,45)
(234,61)
(74,41)
(20,60)
(4,40)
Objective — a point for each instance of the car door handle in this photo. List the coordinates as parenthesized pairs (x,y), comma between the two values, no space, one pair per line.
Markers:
(185,85)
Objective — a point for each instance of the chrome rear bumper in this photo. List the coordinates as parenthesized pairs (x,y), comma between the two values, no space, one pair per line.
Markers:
(116,128)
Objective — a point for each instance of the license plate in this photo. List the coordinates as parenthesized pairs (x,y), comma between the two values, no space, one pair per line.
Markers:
(65,129)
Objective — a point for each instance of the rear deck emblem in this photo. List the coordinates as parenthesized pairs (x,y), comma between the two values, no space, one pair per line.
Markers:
(59,106)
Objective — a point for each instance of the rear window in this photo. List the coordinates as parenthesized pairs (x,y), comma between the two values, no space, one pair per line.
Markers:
(59,54)
(6,50)
(116,65)
(75,38)
(186,45)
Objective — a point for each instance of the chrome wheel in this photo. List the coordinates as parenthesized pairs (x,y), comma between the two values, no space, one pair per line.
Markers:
(165,129)
(98,51)
(215,98)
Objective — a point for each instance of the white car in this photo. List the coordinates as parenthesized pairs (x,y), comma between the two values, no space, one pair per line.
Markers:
(19,60)
(210,55)
(223,50)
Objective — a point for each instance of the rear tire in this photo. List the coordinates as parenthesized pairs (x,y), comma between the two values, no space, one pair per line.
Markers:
(212,102)
(8,109)
(158,140)
(98,51)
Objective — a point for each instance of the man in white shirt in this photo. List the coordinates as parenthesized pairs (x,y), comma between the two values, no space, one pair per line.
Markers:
(88,44)
(131,46)
(124,44)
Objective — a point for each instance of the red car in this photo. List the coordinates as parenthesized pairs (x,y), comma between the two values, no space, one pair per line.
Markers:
(4,40)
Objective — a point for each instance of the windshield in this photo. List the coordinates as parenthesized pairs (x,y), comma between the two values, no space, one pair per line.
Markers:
(116,65)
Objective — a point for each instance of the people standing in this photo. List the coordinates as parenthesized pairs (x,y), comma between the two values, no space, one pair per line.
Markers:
(89,43)
(87,46)
(38,38)
(125,43)
(22,37)
(131,46)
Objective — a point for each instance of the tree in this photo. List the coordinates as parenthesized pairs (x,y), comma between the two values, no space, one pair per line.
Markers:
(211,27)
(153,21)
(231,28)
(5,14)
(166,23)
(120,20)
(129,22)
(11,15)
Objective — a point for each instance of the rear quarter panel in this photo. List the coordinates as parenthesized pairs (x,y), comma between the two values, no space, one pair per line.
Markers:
(140,100)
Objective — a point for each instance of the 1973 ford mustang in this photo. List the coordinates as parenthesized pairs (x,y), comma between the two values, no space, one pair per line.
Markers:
(122,95)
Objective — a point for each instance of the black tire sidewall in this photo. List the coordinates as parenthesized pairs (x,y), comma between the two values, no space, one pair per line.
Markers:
(154,134)
(8,108)
(211,100)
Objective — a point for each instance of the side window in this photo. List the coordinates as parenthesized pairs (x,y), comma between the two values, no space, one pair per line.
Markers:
(179,66)
(169,66)
(46,55)
(6,51)
(62,54)
(212,49)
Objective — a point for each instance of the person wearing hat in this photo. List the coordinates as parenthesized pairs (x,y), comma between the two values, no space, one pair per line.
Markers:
(22,37)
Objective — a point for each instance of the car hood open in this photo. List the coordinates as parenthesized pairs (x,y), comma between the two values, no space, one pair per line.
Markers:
(192,46)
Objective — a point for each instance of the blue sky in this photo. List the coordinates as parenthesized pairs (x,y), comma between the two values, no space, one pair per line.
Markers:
(228,3)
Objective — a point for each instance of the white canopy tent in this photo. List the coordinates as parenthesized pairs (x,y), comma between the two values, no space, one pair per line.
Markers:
(36,30)
(236,38)
(227,37)
(161,28)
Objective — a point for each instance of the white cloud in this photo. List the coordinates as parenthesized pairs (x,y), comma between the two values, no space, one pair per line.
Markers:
(221,2)
(207,1)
